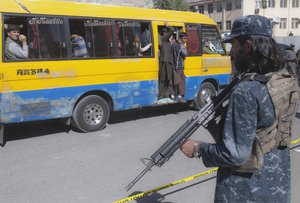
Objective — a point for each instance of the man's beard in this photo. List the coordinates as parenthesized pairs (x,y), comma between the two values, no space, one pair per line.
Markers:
(241,61)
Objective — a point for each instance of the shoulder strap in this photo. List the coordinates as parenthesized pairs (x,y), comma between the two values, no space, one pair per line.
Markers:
(257,77)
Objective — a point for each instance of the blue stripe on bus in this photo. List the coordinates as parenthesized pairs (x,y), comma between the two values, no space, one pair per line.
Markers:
(59,102)
(193,83)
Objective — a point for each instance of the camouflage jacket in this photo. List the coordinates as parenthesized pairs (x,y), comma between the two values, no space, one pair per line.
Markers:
(249,108)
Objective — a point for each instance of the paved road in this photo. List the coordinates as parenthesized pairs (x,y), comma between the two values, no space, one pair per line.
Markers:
(49,162)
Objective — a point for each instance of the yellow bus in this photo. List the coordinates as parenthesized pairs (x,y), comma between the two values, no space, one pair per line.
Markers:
(84,81)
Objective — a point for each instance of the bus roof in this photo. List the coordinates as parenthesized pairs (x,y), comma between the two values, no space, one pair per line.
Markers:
(59,7)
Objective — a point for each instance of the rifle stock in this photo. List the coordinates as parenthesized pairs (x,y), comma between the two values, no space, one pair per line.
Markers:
(164,153)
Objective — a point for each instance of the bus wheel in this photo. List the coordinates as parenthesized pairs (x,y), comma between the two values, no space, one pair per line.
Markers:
(90,114)
(204,95)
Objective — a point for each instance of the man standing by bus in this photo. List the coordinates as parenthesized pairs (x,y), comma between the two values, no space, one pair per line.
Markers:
(253,135)
(16,47)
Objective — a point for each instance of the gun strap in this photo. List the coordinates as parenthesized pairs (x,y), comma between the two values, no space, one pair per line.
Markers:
(258,77)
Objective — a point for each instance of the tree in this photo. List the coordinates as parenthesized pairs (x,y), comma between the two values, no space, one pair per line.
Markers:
(180,5)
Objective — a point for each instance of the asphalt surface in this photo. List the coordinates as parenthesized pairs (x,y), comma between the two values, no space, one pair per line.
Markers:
(47,161)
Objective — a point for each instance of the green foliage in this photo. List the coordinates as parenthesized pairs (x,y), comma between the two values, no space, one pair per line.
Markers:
(180,5)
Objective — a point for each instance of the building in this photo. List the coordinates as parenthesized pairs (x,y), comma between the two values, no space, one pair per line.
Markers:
(284,14)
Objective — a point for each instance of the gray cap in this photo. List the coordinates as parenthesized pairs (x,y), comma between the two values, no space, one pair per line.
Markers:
(250,25)
(11,27)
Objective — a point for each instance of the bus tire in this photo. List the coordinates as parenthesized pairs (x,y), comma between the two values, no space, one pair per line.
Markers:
(91,114)
(206,91)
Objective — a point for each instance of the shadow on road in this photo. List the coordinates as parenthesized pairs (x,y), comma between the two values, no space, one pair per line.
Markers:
(152,198)
(26,130)
(147,112)
(298,115)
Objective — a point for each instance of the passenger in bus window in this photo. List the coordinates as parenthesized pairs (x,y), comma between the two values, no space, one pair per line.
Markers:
(44,49)
(137,46)
(16,47)
(78,46)
(146,37)
(145,40)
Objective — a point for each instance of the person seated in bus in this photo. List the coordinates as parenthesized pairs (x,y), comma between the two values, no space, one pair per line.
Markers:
(137,46)
(146,37)
(145,40)
(16,47)
(44,49)
(78,46)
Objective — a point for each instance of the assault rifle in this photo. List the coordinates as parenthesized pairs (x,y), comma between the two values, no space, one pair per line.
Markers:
(202,117)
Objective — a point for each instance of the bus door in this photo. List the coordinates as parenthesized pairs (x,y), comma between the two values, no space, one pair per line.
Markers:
(158,32)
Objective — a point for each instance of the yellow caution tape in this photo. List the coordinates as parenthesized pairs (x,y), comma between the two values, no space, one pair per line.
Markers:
(142,194)
(167,185)
(295,141)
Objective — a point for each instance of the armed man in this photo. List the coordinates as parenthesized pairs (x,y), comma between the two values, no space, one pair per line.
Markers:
(253,132)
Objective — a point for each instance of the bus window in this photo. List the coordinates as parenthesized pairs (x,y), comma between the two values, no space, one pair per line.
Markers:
(211,40)
(44,35)
(102,37)
(193,42)
(51,37)
(34,47)
(81,38)
(13,28)
(133,38)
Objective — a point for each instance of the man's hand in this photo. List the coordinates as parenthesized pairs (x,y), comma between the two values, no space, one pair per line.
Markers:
(23,39)
(188,148)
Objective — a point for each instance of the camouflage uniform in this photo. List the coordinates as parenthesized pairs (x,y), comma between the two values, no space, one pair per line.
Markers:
(249,108)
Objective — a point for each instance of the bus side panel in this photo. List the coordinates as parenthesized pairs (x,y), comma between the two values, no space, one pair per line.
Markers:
(193,83)
(59,102)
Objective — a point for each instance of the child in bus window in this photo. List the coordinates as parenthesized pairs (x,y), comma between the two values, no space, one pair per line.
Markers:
(137,46)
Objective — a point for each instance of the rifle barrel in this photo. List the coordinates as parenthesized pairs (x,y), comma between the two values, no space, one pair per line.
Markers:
(134,181)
